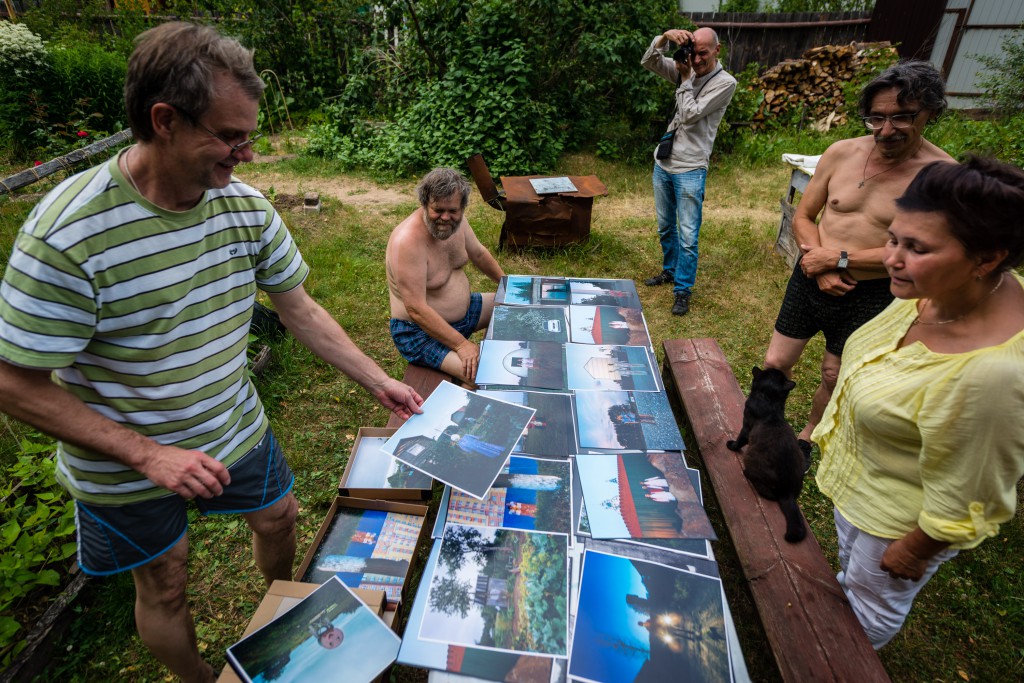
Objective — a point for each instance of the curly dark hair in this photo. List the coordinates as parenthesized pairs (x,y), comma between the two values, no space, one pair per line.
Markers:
(982,200)
(915,80)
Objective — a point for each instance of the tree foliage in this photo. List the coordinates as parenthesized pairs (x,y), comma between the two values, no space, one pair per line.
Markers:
(1003,82)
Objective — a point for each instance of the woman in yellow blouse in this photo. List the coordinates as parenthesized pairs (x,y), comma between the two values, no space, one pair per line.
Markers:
(923,443)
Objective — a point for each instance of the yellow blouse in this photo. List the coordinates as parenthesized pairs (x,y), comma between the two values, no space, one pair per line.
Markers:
(913,437)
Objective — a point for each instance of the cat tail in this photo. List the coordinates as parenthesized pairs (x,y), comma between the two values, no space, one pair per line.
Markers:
(796,531)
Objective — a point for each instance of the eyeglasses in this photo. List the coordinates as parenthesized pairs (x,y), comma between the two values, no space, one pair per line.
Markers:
(235,148)
(897,120)
(241,145)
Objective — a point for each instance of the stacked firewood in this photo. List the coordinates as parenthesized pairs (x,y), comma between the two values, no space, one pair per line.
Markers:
(812,87)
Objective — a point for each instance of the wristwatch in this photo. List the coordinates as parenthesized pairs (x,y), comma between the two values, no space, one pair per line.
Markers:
(844,260)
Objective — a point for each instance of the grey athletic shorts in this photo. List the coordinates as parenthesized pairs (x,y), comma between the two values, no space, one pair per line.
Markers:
(116,538)
(806,310)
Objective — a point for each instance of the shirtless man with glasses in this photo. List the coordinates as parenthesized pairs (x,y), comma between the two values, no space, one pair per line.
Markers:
(841,223)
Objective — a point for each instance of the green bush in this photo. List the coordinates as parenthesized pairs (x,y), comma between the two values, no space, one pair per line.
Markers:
(1003,84)
(87,71)
(518,81)
(1002,138)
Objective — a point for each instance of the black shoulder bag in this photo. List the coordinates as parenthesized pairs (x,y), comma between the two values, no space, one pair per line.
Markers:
(664,150)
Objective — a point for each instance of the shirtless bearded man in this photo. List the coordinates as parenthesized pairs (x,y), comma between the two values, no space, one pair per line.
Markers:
(433,312)
(839,282)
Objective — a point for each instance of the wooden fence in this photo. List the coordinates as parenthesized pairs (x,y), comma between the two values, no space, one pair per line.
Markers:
(771,38)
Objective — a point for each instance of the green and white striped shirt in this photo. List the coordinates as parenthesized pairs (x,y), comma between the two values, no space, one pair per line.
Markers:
(144,315)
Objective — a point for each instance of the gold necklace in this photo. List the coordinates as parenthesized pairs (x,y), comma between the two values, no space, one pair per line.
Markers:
(918,321)
(864,177)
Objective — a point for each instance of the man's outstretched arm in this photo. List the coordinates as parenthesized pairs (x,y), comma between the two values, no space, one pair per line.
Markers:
(320,333)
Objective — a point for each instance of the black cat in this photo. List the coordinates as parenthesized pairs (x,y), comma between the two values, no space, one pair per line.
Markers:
(774,462)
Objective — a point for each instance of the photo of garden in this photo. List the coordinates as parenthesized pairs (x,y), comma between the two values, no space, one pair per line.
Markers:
(502,589)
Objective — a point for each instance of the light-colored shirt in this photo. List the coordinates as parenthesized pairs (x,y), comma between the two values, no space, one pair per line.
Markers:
(917,438)
(700,106)
(143,314)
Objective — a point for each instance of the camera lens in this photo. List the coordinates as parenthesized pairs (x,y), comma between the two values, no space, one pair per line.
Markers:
(684,53)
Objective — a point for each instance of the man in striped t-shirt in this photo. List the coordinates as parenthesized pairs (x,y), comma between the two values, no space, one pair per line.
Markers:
(124,316)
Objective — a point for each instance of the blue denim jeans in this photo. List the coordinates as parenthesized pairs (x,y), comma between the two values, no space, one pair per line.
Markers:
(678,198)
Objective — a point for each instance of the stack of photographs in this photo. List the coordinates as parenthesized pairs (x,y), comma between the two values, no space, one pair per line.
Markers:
(586,556)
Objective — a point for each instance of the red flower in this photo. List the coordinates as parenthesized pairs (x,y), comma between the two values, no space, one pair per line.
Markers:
(83,133)
(37,163)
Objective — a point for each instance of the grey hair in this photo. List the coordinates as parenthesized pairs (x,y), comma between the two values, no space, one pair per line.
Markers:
(915,80)
(176,63)
(442,183)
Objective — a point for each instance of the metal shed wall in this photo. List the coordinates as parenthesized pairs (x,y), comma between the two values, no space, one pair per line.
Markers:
(969,28)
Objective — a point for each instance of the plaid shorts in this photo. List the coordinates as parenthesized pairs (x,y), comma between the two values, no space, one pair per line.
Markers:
(806,310)
(419,348)
(116,538)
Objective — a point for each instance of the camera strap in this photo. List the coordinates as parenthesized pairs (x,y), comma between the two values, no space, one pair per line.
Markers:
(672,112)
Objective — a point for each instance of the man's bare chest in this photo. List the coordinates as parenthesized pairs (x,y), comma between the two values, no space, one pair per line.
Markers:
(443,260)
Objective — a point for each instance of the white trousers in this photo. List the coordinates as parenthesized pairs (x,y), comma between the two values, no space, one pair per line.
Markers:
(880,602)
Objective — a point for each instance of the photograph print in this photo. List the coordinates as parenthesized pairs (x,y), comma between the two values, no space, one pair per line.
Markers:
(591,367)
(372,469)
(627,420)
(530,493)
(521,364)
(641,495)
(601,292)
(367,549)
(461,438)
(529,323)
(608,325)
(643,622)
(499,589)
(524,290)
(474,662)
(552,430)
(328,636)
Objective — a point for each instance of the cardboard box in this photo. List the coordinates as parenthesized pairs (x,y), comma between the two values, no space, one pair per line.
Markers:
(380,492)
(281,597)
(398,594)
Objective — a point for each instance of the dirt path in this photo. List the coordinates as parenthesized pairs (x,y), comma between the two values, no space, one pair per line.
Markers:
(347,189)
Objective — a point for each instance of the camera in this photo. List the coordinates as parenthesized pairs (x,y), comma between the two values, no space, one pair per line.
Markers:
(684,53)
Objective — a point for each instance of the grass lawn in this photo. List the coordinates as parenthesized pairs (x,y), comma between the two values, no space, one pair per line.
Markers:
(968,623)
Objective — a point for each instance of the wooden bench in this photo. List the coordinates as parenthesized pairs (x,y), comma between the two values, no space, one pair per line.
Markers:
(424,381)
(813,633)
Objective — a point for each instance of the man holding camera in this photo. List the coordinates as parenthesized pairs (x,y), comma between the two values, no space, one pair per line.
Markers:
(703,91)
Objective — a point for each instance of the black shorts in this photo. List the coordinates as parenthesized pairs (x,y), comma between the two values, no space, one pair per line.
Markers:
(806,310)
(116,538)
